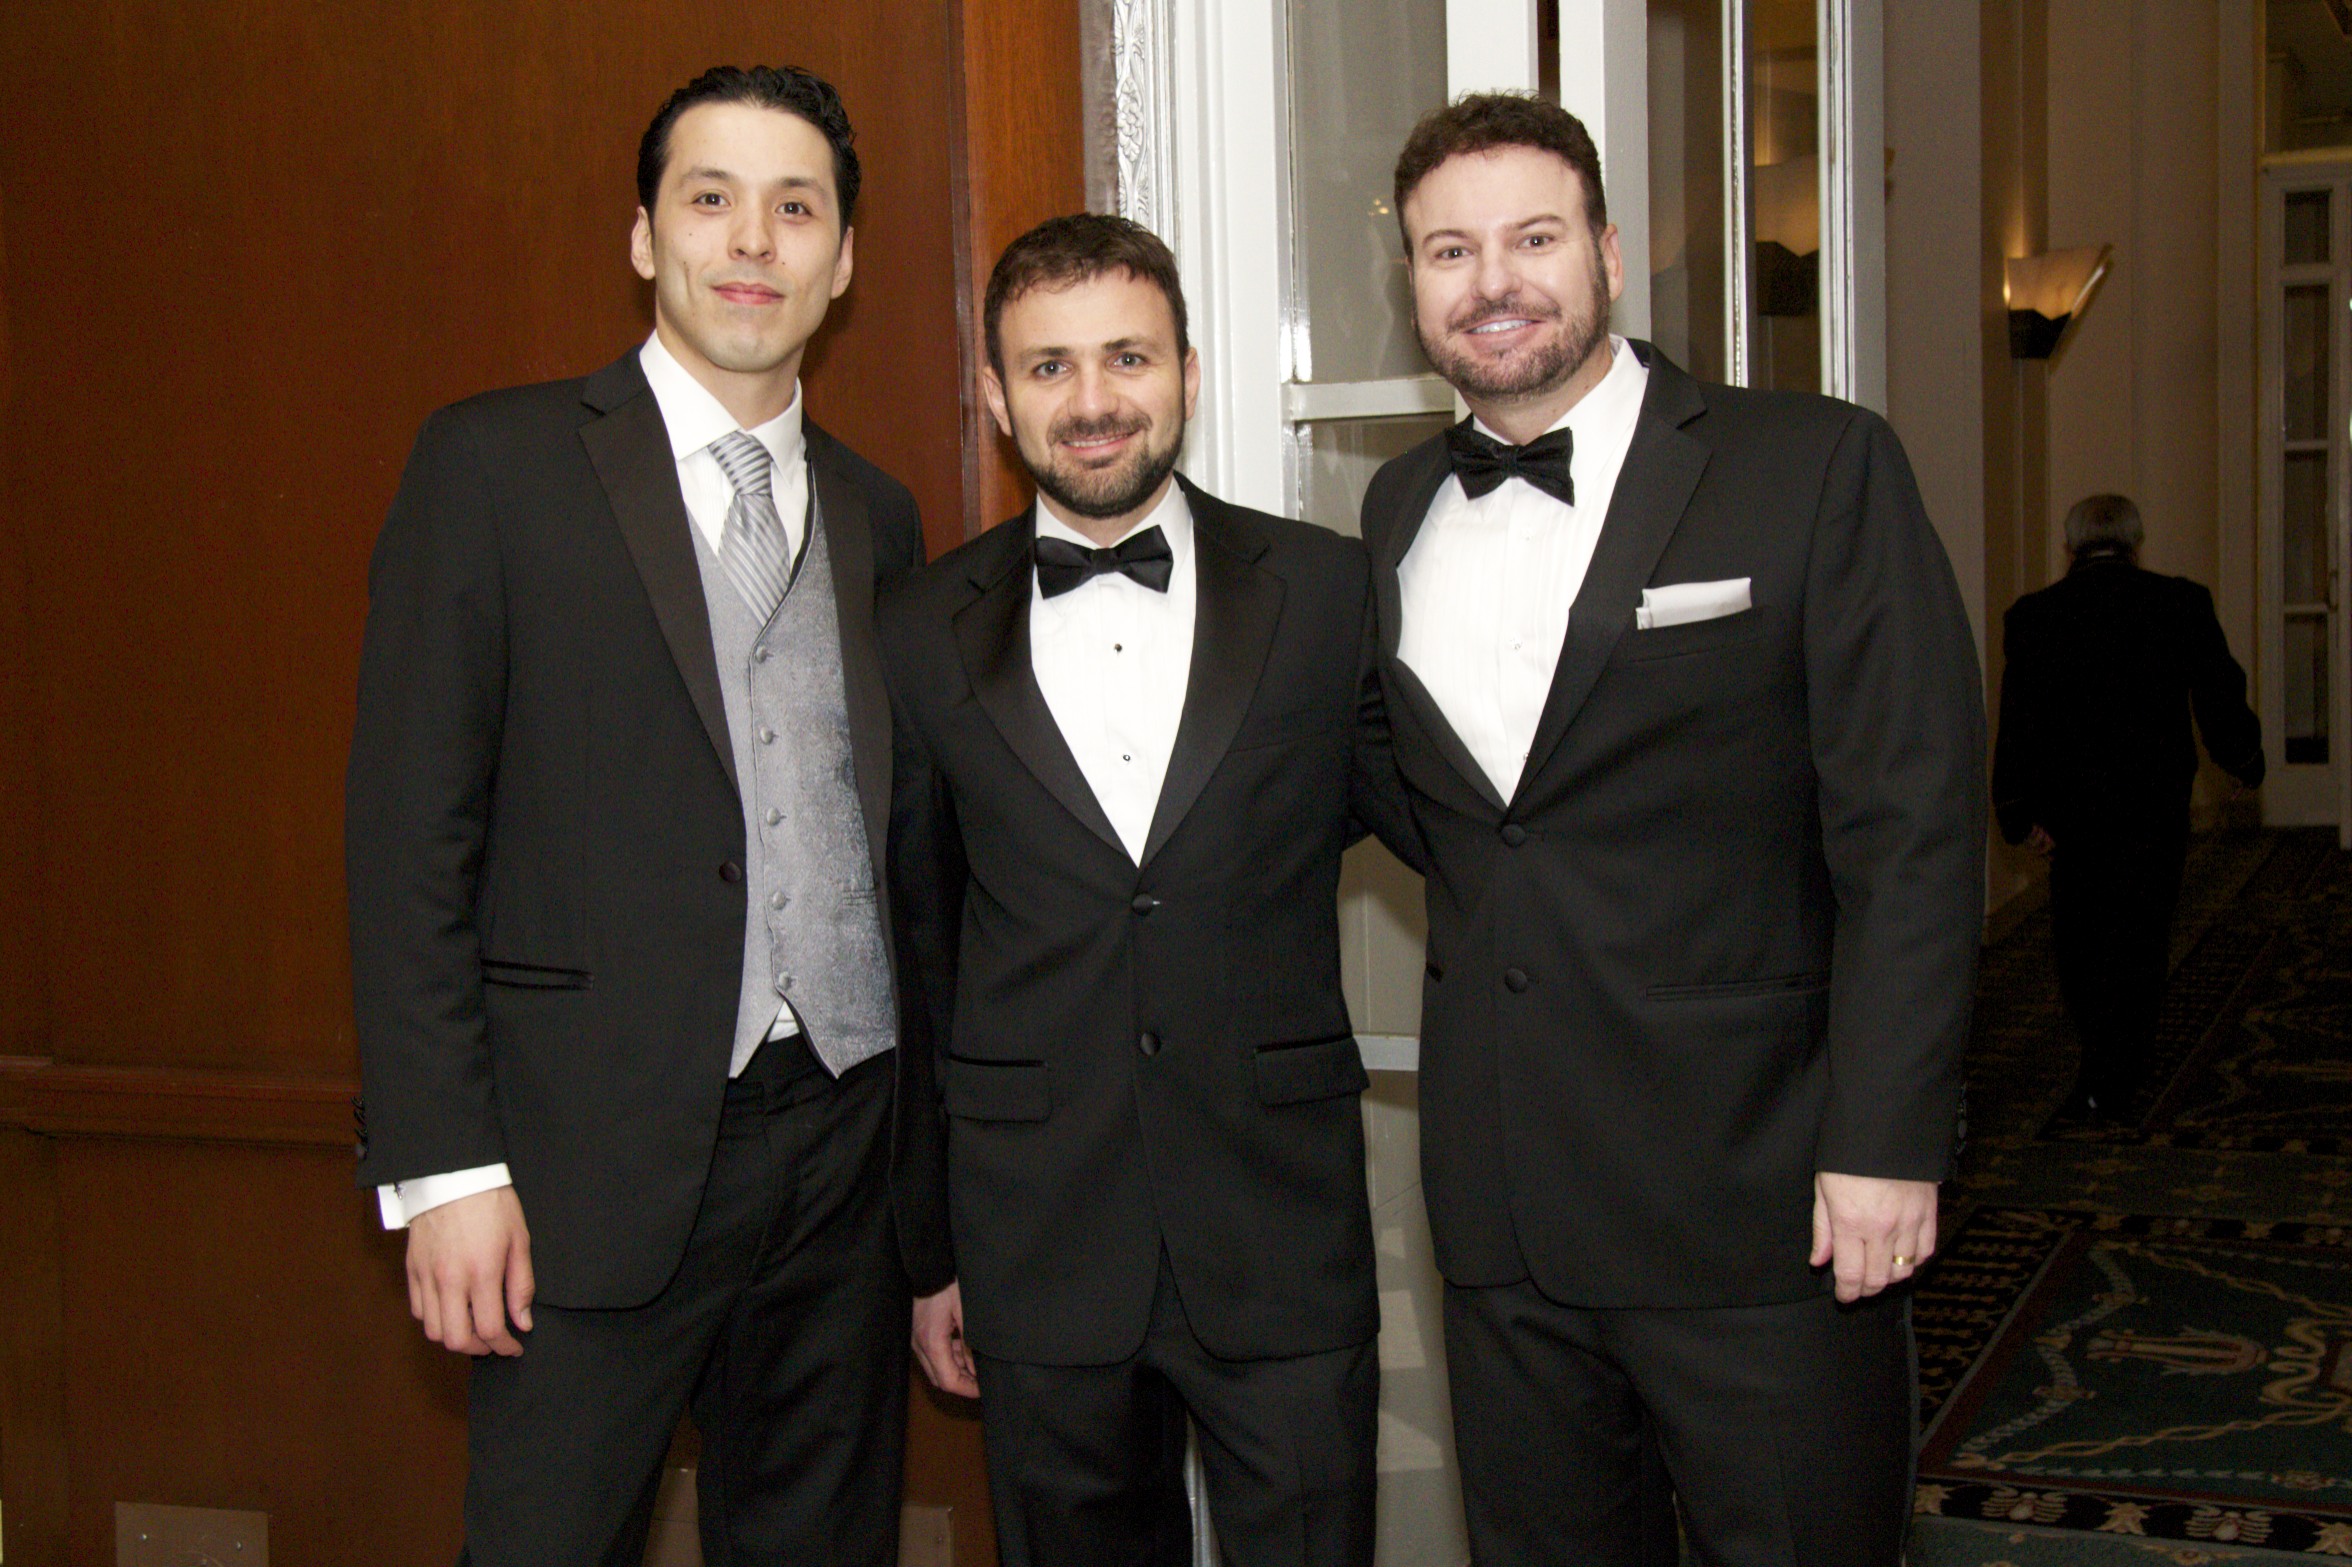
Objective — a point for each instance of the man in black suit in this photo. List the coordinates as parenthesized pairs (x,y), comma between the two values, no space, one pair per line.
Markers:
(1136,728)
(1687,708)
(2093,767)
(617,804)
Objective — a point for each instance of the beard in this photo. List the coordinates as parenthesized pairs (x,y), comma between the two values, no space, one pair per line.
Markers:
(1541,369)
(1100,493)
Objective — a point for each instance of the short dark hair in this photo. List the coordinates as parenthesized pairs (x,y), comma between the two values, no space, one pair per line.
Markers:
(787,88)
(1076,249)
(2109,520)
(1484,121)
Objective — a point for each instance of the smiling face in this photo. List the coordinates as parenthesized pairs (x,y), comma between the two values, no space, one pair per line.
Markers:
(1093,391)
(745,250)
(1511,287)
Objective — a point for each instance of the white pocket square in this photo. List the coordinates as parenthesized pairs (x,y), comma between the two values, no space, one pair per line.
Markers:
(1680,603)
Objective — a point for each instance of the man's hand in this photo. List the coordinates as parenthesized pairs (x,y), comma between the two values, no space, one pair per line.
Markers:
(1872,1232)
(2040,842)
(469,1270)
(939,1343)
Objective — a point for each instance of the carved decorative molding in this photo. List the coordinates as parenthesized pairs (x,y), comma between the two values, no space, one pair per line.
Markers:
(1143,114)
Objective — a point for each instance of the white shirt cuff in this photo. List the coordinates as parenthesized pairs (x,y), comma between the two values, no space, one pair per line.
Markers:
(402,1201)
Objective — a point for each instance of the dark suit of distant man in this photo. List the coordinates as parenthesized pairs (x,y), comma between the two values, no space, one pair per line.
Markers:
(2104,669)
(1694,740)
(617,812)
(1154,1149)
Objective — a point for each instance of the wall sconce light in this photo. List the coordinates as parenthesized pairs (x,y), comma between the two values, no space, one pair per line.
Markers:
(2046,293)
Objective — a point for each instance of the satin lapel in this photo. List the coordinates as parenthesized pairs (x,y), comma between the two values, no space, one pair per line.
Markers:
(1420,490)
(992,634)
(849,539)
(1661,470)
(1236,610)
(630,448)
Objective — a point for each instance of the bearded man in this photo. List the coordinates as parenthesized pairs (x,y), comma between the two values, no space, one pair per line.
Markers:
(1136,727)
(1687,709)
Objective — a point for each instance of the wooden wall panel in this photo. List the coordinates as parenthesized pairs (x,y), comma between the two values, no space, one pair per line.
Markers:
(321,222)
(341,217)
(1021,158)
(237,1340)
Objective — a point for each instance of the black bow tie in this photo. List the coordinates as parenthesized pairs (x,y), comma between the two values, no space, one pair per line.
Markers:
(1482,463)
(1146,557)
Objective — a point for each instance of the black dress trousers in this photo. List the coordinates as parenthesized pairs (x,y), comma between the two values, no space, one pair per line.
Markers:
(1787,1430)
(1086,1463)
(785,1327)
(2112,896)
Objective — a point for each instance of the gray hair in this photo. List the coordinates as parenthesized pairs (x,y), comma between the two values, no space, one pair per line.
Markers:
(2104,519)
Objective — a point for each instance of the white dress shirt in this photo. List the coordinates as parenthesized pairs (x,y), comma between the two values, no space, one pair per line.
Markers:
(1488,584)
(694,419)
(1113,659)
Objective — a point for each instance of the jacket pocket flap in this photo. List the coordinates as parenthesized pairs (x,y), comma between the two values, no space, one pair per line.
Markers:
(996,1090)
(1321,1069)
(535,976)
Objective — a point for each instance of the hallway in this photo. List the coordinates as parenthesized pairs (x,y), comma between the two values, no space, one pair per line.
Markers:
(2136,1345)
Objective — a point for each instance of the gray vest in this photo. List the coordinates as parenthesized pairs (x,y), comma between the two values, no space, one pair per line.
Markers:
(812,935)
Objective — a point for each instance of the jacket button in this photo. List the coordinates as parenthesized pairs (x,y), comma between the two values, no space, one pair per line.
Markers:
(1149,1044)
(1516,980)
(1514,835)
(729,871)
(1144,903)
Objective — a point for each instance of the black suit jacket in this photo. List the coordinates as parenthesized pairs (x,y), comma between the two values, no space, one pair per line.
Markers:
(2103,669)
(1725,934)
(1128,1056)
(544,841)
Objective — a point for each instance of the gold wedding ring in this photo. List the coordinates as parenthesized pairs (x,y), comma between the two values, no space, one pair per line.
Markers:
(1902,1261)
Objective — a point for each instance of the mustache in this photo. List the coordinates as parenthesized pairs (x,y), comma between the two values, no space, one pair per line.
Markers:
(1480,311)
(1102,428)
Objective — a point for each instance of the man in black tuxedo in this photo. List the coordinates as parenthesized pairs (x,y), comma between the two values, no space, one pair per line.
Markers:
(1687,708)
(1136,728)
(2093,767)
(617,804)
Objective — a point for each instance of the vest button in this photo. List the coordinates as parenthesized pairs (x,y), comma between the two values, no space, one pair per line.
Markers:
(1149,1044)
(1144,903)
(759,655)
(1515,980)
(729,871)
(767,736)
(1514,835)
(774,816)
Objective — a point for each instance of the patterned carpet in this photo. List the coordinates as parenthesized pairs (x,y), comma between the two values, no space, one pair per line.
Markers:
(2136,1345)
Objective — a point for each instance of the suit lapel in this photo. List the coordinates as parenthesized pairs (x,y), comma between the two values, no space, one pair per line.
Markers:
(1236,610)
(1422,479)
(630,449)
(992,634)
(849,541)
(1661,470)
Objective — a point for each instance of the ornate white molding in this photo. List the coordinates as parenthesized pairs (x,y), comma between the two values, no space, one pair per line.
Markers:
(1143,109)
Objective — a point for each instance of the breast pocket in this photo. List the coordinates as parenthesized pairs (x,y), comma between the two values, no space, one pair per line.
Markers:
(1698,636)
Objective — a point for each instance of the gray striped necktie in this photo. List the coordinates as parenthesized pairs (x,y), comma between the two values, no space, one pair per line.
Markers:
(753,551)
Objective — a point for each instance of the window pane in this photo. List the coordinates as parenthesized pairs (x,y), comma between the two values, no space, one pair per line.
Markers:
(1784,90)
(2307,688)
(1686,183)
(1362,71)
(2305,508)
(2307,228)
(2306,332)
(2307,95)
(1337,458)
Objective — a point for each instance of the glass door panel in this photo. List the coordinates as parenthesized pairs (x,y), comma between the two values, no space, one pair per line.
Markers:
(1687,279)
(1784,99)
